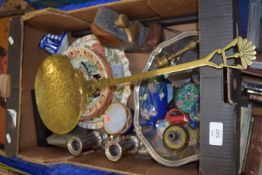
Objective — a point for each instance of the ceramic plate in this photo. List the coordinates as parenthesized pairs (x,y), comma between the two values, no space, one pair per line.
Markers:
(93,67)
(119,67)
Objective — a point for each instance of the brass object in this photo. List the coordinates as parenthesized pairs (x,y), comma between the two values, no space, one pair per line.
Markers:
(114,149)
(58,94)
(122,21)
(245,51)
(59,89)
(176,137)
(164,60)
(131,28)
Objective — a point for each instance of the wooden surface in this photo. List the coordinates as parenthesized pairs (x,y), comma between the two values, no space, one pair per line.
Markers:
(254,157)
(128,164)
(11,5)
(4,33)
(257,111)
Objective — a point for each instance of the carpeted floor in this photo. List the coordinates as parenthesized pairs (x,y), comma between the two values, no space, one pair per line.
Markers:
(56,169)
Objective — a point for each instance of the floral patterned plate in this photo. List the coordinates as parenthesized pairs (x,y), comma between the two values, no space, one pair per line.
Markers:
(93,67)
(119,66)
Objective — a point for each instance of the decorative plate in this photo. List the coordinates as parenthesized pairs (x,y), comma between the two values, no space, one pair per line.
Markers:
(117,60)
(93,67)
(119,68)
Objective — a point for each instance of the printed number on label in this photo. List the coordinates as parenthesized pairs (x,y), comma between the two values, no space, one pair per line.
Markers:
(216,133)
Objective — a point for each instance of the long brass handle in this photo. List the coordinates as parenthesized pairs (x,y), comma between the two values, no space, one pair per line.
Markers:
(242,49)
(154,73)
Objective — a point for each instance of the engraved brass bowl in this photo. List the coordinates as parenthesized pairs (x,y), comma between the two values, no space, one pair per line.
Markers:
(58,94)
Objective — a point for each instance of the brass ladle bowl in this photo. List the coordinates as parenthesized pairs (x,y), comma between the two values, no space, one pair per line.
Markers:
(58,94)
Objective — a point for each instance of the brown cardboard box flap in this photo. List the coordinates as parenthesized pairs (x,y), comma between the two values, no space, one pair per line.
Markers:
(143,9)
(54,21)
(169,8)
(134,9)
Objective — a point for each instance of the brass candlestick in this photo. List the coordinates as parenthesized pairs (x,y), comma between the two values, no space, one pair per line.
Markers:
(165,60)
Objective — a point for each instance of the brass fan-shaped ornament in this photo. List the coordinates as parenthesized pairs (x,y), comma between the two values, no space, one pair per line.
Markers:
(247,52)
(60,89)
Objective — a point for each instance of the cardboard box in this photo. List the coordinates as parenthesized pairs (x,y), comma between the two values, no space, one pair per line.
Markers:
(28,57)
(217,27)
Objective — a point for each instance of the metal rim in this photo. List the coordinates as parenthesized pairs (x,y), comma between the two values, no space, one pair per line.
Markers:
(71,146)
(112,148)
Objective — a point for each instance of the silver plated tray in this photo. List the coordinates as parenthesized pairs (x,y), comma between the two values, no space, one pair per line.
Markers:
(151,136)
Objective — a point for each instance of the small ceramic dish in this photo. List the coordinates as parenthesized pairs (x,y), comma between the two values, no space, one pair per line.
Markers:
(117,119)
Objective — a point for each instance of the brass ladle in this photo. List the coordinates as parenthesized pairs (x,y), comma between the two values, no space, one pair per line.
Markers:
(60,90)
